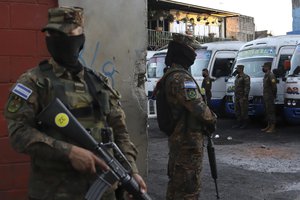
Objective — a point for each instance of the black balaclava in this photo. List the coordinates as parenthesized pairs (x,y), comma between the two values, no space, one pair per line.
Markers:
(204,73)
(180,54)
(65,50)
(264,70)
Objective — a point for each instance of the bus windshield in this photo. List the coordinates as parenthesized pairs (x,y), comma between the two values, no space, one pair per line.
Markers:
(201,62)
(156,64)
(155,67)
(253,66)
(257,52)
(295,63)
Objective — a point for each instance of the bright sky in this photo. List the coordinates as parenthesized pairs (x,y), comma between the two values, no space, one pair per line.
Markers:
(272,15)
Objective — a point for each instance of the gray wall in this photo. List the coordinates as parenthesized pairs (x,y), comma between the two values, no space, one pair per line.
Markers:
(116,42)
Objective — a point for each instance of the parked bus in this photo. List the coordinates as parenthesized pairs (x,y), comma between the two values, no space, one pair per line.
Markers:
(253,55)
(217,57)
(292,89)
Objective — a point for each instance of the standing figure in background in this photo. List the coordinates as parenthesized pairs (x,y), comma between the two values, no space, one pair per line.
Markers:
(269,95)
(241,94)
(206,84)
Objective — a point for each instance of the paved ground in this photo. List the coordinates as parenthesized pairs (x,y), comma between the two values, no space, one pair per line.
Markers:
(251,165)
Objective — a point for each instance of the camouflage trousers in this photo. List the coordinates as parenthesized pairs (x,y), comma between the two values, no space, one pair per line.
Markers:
(270,109)
(184,171)
(241,108)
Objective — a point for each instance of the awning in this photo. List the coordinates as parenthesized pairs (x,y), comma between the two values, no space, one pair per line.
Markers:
(169,4)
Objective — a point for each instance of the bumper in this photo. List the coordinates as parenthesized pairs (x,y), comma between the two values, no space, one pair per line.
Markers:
(253,109)
(216,104)
(292,115)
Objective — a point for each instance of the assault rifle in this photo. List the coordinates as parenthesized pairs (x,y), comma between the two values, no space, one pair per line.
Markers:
(212,161)
(57,116)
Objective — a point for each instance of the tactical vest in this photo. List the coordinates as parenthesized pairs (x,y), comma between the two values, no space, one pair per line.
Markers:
(88,101)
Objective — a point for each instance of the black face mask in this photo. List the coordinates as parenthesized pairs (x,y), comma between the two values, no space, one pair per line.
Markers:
(204,75)
(65,50)
(264,70)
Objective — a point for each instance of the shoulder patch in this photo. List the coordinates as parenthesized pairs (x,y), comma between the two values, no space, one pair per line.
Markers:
(22,91)
(273,80)
(14,104)
(190,85)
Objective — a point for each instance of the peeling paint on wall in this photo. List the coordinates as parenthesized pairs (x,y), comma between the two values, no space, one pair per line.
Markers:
(116,43)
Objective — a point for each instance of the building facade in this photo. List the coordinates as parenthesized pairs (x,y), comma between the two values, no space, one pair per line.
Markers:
(240,28)
(206,24)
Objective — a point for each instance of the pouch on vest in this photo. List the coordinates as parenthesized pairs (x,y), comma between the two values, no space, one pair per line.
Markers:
(165,115)
(165,119)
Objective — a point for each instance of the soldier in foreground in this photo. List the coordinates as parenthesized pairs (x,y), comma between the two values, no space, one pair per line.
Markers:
(60,169)
(241,94)
(192,118)
(269,95)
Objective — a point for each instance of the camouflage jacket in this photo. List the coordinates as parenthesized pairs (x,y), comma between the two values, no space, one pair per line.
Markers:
(49,155)
(269,86)
(206,84)
(242,86)
(185,100)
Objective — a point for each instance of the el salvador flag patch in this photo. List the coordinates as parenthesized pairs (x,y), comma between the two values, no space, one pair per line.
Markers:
(190,85)
(22,91)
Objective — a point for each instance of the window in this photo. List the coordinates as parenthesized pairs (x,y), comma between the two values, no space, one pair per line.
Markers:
(155,67)
(222,67)
(281,71)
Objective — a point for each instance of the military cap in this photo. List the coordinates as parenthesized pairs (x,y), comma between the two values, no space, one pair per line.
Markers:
(64,19)
(186,39)
(267,64)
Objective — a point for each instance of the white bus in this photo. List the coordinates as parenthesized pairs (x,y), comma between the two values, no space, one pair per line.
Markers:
(292,89)
(253,55)
(217,57)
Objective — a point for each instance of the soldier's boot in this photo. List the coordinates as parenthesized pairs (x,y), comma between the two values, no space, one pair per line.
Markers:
(237,125)
(265,129)
(244,124)
(271,129)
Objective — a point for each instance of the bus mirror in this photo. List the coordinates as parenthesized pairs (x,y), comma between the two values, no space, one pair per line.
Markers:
(287,65)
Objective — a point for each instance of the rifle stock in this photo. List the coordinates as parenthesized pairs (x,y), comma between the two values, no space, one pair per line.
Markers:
(56,115)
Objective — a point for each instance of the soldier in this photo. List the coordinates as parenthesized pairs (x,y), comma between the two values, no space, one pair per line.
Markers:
(241,94)
(192,117)
(206,84)
(269,95)
(59,168)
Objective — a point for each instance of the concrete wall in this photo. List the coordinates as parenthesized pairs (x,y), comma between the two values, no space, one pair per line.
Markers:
(116,43)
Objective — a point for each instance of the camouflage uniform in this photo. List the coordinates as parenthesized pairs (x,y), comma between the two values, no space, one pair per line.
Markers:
(186,142)
(52,175)
(192,117)
(269,95)
(241,93)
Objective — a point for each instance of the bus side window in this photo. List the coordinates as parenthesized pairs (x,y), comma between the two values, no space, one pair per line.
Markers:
(281,71)
(222,67)
(151,70)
